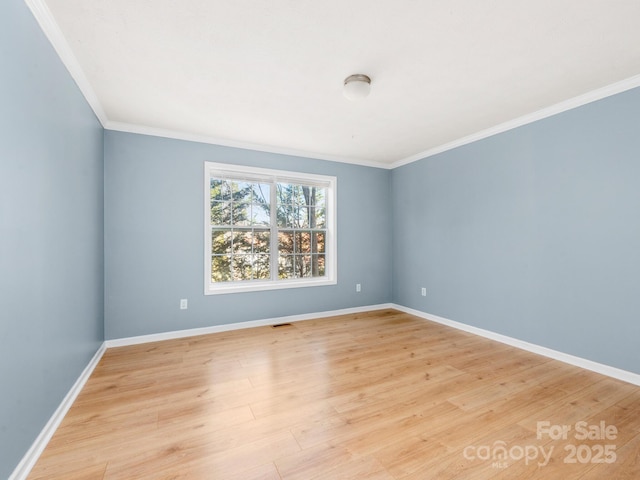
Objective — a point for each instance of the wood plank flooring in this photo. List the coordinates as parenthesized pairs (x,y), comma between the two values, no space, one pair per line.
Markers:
(381,395)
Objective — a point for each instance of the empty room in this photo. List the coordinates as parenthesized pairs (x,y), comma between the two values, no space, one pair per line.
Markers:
(288,240)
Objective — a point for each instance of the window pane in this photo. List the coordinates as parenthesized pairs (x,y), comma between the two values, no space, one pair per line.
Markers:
(317,245)
(221,268)
(303,217)
(319,218)
(299,218)
(261,194)
(219,189)
(296,194)
(261,241)
(236,192)
(287,216)
(261,267)
(296,242)
(319,265)
(220,213)
(312,216)
(319,215)
(320,197)
(286,266)
(260,214)
(289,194)
(220,242)
(285,242)
(308,195)
(302,242)
(242,267)
(242,214)
(242,241)
(215,189)
(242,191)
(284,194)
(303,266)
(316,217)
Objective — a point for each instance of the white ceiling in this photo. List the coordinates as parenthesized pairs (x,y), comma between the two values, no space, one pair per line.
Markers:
(268,74)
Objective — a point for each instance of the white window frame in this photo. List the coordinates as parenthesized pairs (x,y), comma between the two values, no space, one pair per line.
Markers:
(273,176)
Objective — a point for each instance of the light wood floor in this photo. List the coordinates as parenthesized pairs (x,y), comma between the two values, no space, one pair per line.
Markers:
(381,395)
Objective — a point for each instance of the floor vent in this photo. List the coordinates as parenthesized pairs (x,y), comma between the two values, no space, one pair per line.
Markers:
(281,325)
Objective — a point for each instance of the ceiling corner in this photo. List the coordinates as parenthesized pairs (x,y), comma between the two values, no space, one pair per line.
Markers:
(53,33)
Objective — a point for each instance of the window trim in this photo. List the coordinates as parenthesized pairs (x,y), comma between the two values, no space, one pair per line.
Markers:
(331,243)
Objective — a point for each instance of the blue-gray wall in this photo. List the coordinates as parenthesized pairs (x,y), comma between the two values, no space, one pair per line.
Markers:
(154,238)
(51,232)
(533,233)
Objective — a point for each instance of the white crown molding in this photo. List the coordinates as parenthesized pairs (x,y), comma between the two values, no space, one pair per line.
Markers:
(193,137)
(563,106)
(157,337)
(51,30)
(607,370)
(31,457)
(541,114)
(53,33)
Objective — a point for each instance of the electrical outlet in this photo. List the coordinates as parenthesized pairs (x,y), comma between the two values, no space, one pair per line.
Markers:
(424,292)
(184,304)
(358,287)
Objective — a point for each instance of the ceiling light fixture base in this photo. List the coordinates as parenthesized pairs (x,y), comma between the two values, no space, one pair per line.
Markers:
(357,86)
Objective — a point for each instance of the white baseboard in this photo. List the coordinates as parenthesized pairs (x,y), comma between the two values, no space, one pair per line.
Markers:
(38,446)
(613,372)
(31,457)
(156,337)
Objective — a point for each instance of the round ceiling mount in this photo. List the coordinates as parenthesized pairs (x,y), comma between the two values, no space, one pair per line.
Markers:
(357,86)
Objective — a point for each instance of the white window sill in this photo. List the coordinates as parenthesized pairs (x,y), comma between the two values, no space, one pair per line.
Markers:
(252,286)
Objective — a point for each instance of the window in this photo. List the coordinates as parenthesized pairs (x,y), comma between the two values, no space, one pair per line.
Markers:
(268,229)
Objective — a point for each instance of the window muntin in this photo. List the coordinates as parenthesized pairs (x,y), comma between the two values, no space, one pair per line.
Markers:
(267,229)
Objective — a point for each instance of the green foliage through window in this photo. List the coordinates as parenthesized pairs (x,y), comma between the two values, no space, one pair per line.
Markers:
(266,230)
